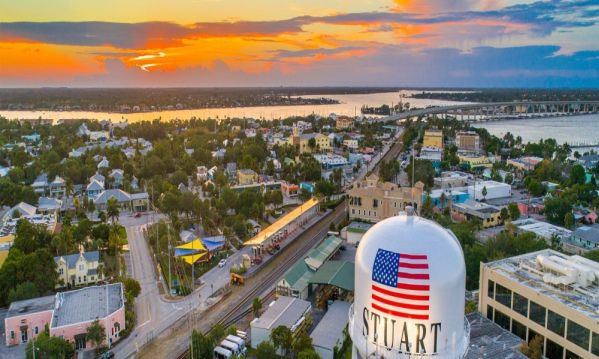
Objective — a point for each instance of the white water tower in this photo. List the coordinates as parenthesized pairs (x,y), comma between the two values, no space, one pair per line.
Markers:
(410,280)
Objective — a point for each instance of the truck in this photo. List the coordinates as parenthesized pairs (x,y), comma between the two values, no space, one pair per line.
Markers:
(239,341)
(222,353)
(231,346)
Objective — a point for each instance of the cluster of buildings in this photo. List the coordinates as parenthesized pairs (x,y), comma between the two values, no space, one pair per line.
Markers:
(68,315)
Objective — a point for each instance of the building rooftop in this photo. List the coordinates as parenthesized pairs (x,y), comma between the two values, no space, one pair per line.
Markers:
(337,273)
(87,304)
(588,233)
(285,311)
(489,340)
(359,227)
(532,270)
(330,328)
(29,306)
(471,206)
(71,259)
(323,251)
(542,229)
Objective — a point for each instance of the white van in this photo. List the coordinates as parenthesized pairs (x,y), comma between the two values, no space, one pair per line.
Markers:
(222,353)
(237,340)
(231,346)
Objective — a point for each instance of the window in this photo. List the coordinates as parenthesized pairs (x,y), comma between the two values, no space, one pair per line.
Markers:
(84,278)
(375,203)
(537,313)
(554,350)
(595,344)
(81,266)
(79,278)
(519,329)
(532,334)
(503,295)
(578,335)
(489,312)
(570,355)
(556,323)
(35,330)
(502,320)
(520,304)
(60,271)
(353,211)
(491,289)
(12,334)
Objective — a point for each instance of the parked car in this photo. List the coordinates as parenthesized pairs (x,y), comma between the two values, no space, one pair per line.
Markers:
(222,262)
(137,215)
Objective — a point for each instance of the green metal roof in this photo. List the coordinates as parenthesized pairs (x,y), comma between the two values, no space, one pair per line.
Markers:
(298,275)
(324,251)
(337,273)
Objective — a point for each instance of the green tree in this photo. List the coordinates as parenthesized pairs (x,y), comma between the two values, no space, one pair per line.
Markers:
(22,291)
(47,346)
(423,172)
(509,178)
(95,333)
(308,354)
(556,209)
(577,174)
(217,333)
(568,220)
(504,214)
(484,193)
(201,346)
(593,255)
(112,209)
(426,210)
(265,350)
(282,339)
(131,287)
(256,306)
(312,143)
(302,342)
(514,211)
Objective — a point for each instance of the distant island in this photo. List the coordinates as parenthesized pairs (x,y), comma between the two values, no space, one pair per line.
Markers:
(507,95)
(135,100)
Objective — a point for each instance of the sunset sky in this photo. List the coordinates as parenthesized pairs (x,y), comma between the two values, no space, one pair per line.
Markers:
(476,43)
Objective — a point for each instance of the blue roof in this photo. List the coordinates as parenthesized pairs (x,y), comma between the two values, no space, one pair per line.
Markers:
(71,259)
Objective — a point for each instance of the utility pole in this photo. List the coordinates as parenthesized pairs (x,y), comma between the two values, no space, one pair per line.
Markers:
(168,233)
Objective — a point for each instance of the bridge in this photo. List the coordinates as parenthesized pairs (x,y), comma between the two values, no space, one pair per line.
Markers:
(495,111)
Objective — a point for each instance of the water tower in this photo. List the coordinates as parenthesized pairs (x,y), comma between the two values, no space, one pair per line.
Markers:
(410,280)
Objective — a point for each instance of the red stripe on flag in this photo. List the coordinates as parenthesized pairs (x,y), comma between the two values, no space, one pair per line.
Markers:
(412,275)
(399,304)
(399,314)
(413,265)
(413,286)
(412,256)
(399,295)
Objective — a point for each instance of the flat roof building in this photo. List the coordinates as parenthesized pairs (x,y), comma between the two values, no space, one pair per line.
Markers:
(287,311)
(487,214)
(328,334)
(543,229)
(433,138)
(547,294)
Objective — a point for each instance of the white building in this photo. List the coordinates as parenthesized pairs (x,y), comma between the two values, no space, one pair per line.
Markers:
(542,229)
(351,144)
(328,334)
(330,161)
(494,190)
(287,311)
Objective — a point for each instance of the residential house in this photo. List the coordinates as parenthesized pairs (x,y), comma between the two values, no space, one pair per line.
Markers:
(49,205)
(322,142)
(289,189)
(78,269)
(40,185)
(103,163)
(94,188)
(489,215)
(246,176)
(118,177)
(201,173)
(58,187)
(231,169)
(585,238)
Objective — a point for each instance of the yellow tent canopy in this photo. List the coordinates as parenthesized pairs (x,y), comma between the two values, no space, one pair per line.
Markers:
(196,244)
(191,259)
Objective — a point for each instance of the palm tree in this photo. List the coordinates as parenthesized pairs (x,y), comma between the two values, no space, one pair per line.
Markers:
(112,209)
(443,198)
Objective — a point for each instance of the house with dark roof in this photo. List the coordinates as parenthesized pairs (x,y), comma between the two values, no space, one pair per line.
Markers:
(78,269)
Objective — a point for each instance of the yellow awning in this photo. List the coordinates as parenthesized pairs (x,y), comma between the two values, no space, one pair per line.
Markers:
(191,259)
(196,244)
(281,223)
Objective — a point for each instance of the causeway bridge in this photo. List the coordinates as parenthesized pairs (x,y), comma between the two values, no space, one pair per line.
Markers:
(497,111)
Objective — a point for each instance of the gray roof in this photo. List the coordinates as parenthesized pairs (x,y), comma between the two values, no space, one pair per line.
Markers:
(120,195)
(87,304)
(330,328)
(48,203)
(28,306)
(41,180)
(98,177)
(71,259)
(284,311)
(489,340)
(588,233)
(140,195)
(95,186)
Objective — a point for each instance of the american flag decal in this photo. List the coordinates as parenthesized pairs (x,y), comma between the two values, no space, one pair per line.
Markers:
(401,284)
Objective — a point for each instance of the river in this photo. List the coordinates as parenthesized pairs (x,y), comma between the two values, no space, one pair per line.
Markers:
(570,129)
(349,105)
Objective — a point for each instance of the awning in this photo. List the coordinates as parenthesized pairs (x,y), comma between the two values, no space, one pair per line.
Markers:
(196,245)
(283,222)
(193,258)
(337,273)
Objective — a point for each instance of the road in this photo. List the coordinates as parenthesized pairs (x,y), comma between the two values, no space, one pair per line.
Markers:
(174,343)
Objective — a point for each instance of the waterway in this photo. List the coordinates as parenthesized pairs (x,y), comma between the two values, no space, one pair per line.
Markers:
(570,129)
(348,105)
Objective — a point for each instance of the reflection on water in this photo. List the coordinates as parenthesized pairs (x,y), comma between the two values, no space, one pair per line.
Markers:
(570,129)
(349,105)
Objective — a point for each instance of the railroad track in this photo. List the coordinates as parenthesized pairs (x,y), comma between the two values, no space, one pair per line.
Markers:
(243,307)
